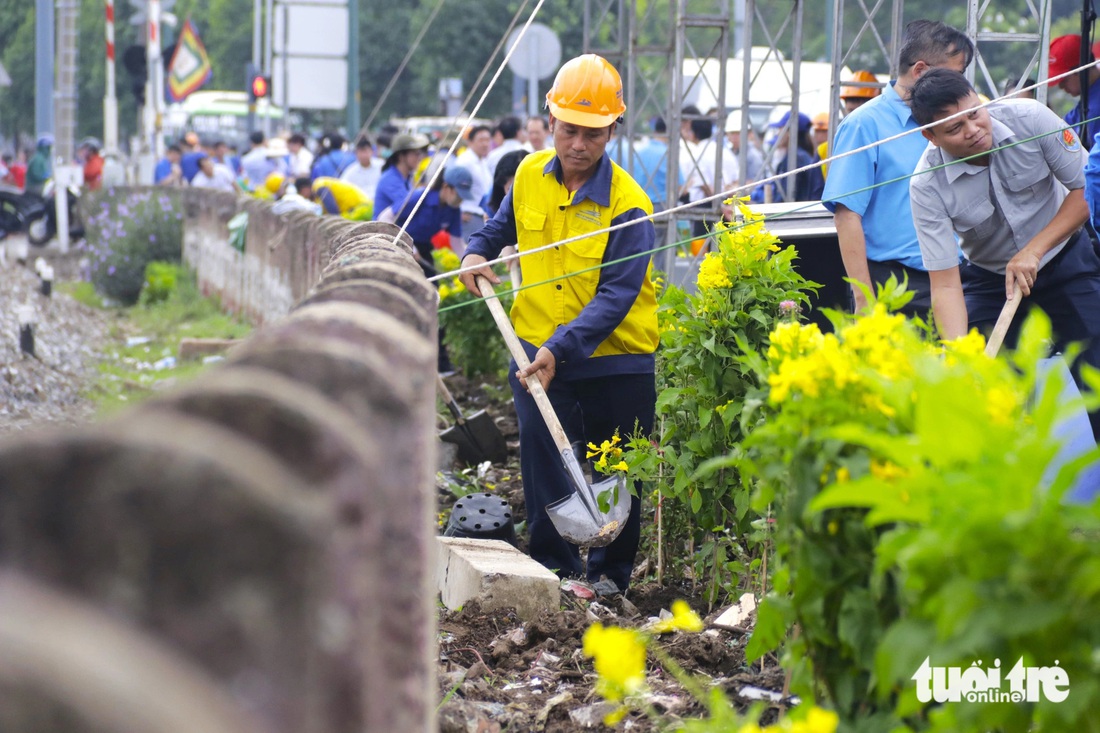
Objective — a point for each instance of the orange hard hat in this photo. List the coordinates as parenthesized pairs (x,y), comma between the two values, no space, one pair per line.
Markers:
(587,91)
(861,92)
(821,121)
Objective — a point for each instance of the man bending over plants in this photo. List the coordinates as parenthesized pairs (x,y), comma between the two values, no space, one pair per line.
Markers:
(1009,180)
(587,315)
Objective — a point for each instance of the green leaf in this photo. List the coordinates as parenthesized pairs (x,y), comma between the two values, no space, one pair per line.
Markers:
(773,618)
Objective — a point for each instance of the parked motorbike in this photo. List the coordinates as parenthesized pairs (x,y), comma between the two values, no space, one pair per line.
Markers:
(43,228)
(18,210)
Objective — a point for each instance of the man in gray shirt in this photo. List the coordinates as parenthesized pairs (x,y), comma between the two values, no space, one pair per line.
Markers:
(1012,189)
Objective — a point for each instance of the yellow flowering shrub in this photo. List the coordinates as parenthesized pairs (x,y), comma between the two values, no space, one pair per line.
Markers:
(878,447)
(745,288)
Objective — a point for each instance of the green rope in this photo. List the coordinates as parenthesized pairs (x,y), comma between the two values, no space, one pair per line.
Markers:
(771,217)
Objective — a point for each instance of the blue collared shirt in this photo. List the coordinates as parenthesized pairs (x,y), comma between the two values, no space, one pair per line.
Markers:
(887,221)
(432,216)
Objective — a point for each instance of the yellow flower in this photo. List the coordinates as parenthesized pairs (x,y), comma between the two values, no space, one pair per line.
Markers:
(843,474)
(821,721)
(712,273)
(791,338)
(619,656)
(447,259)
(682,619)
(886,471)
(971,344)
(620,466)
(615,716)
(1002,404)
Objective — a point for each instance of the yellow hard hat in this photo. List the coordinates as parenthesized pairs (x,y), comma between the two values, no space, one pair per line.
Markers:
(821,121)
(587,91)
(861,92)
(274,182)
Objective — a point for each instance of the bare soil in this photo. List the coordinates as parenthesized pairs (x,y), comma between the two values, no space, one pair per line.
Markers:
(497,673)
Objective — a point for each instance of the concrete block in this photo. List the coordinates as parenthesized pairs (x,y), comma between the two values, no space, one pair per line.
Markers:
(495,574)
(193,349)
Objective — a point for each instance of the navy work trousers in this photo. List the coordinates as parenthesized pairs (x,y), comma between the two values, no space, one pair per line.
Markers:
(590,410)
(1067,289)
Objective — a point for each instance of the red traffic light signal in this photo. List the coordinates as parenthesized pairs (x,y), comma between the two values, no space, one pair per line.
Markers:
(260,86)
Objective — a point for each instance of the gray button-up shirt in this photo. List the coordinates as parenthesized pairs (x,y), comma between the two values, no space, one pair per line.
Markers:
(997,209)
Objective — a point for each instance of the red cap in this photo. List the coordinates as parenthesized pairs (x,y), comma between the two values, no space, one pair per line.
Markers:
(1065,55)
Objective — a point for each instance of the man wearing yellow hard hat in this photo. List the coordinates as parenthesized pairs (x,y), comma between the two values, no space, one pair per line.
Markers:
(587,315)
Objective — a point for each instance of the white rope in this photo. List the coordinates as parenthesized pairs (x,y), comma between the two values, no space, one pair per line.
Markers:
(738,189)
(473,113)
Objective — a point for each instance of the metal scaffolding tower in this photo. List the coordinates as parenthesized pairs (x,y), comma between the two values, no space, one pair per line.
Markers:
(667,50)
(65,96)
(1029,39)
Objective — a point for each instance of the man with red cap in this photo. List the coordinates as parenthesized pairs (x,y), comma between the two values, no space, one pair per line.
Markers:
(1065,55)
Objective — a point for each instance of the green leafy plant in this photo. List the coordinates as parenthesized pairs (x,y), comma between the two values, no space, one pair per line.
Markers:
(744,289)
(914,518)
(160,282)
(125,230)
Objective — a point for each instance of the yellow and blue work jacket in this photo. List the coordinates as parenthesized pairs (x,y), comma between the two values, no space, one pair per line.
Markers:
(594,320)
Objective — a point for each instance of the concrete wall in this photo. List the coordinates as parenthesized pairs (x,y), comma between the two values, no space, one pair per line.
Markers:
(249,552)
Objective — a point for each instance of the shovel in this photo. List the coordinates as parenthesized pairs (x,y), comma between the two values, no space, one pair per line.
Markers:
(1008,312)
(577,517)
(477,437)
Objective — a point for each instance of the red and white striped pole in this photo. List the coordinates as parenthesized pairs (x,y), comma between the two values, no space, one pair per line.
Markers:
(110,101)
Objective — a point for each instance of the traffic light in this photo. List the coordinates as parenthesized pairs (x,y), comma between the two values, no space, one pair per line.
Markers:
(133,59)
(259,86)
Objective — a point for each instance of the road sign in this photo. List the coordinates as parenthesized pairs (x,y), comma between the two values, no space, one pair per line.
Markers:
(539,53)
(311,30)
(310,83)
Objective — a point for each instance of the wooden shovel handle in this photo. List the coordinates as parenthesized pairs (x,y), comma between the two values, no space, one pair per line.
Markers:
(534,386)
(1008,312)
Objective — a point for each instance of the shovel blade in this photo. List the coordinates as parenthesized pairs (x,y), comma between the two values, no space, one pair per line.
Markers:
(576,521)
(478,439)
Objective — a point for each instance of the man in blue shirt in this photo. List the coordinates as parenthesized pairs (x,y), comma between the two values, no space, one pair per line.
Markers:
(650,168)
(873,220)
(1065,55)
(437,212)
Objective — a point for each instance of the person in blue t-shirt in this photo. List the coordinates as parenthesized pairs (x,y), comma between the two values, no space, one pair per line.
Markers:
(868,192)
(807,184)
(438,212)
(332,160)
(438,216)
(168,171)
(395,185)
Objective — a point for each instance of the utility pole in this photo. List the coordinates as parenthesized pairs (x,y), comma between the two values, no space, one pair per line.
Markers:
(65,92)
(43,66)
(269,54)
(353,68)
(257,31)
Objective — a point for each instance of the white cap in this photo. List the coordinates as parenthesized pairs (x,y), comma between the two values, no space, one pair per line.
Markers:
(733,121)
